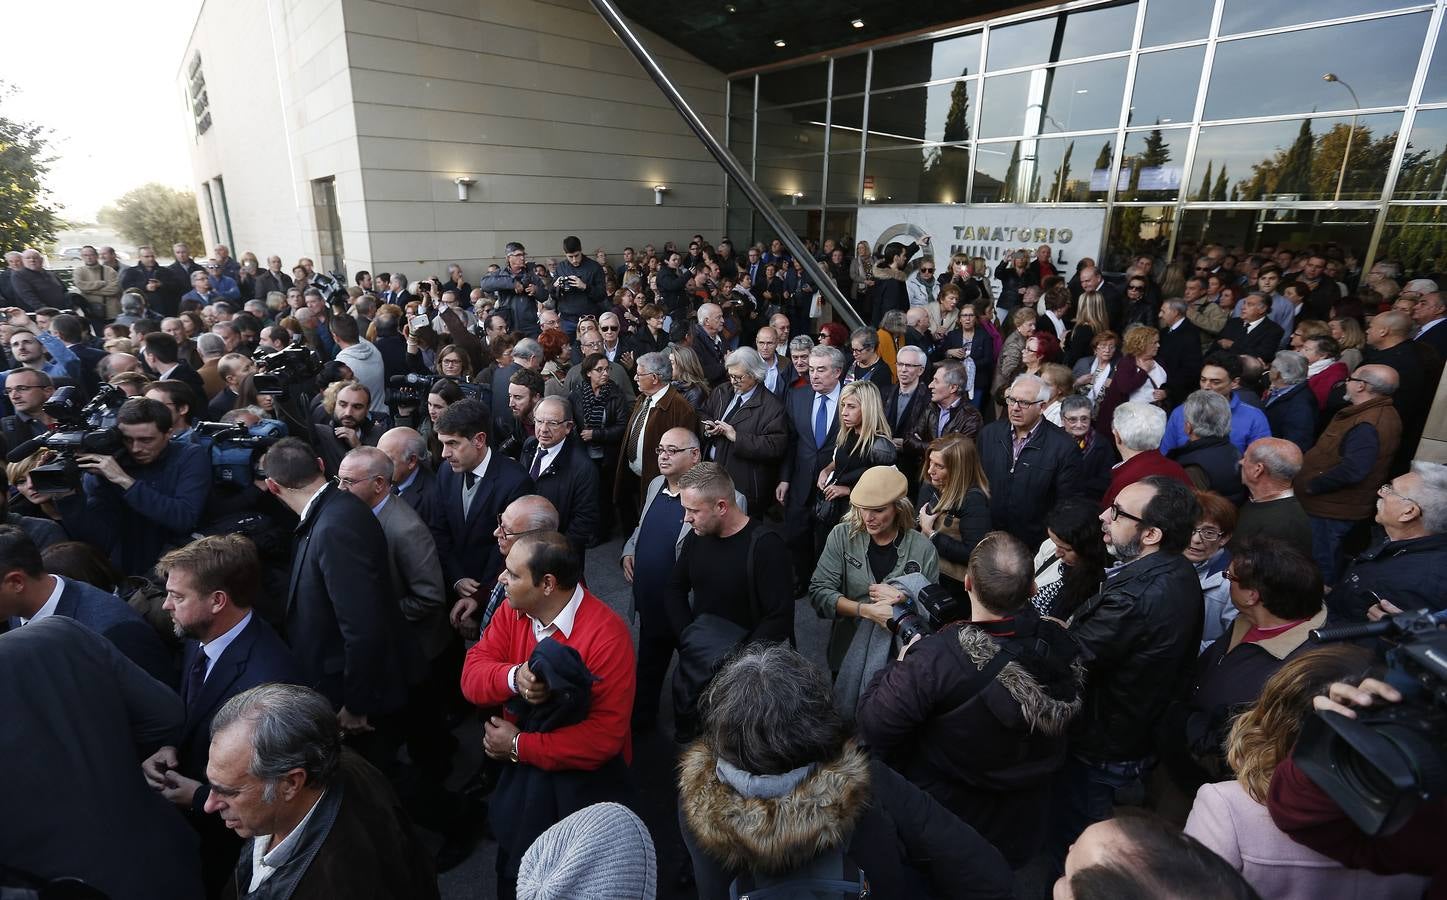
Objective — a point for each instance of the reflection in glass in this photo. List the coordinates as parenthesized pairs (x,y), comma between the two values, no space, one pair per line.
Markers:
(951,57)
(1170,21)
(847,124)
(787,86)
(1165,86)
(741,139)
(1241,16)
(849,74)
(843,188)
(1006,96)
(1424,164)
(1071,35)
(1434,90)
(1295,160)
(1416,237)
(1252,229)
(918,174)
(940,112)
(783,177)
(1056,170)
(790,131)
(1136,231)
(1150,169)
(1379,68)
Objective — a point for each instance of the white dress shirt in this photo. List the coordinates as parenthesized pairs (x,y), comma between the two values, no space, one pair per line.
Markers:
(48,608)
(214,649)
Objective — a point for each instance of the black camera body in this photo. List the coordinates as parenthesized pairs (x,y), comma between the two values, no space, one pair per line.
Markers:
(88,428)
(279,369)
(927,609)
(233,448)
(1381,765)
(411,390)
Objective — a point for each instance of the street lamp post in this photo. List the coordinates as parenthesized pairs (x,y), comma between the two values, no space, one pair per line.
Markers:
(1351,133)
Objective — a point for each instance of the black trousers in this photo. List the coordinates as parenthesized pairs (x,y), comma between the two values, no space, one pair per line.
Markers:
(656,644)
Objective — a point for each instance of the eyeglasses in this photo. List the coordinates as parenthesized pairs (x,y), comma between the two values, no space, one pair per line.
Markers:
(1208,533)
(926,271)
(513,535)
(549,423)
(607,327)
(1354,378)
(1017,403)
(1117,513)
(345,483)
(672,451)
(1388,489)
(1135,287)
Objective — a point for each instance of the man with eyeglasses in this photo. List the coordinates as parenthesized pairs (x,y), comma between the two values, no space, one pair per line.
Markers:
(657,409)
(224,284)
(747,428)
(648,558)
(1140,307)
(1031,464)
(563,473)
(1140,633)
(1404,572)
(617,346)
(519,291)
(1352,455)
(27,390)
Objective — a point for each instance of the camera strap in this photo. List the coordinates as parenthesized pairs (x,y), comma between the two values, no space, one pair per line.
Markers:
(975,684)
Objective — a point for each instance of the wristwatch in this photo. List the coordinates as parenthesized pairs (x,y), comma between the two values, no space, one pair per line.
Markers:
(513,754)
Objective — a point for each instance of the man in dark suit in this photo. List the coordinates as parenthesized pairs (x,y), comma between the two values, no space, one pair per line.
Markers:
(39,595)
(1430,317)
(1026,484)
(412,480)
(71,331)
(28,391)
(748,429)
(77,716)
(948,412)
(1253,334)
(341,618)
(473,488)
(211,585)
(708,345)
(1180,353)
(161,352)
(779,372)
(813,425)
(559,466)
(656,409)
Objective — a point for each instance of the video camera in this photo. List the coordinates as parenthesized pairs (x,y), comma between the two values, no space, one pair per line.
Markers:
(233,448)
(1381,765)
(279,369)
(88,428)
(926,609)
(411,390)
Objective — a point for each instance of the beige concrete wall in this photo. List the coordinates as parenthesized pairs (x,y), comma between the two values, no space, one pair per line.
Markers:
(537,101)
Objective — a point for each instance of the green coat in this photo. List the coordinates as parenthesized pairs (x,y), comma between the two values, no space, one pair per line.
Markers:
(843,570)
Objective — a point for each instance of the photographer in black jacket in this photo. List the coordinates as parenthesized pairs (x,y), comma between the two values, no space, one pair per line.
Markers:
(138,505)
(976,714)
(580,288)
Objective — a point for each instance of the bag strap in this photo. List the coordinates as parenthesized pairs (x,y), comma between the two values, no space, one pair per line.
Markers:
(974,685)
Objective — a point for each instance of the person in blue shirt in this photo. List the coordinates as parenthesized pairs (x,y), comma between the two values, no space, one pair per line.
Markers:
(1221,373)
(221,282)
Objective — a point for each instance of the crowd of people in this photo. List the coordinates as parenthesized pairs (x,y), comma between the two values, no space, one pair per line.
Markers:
(273,539)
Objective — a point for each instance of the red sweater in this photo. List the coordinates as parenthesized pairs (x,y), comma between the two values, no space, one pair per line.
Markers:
(1143,465)
(602,639)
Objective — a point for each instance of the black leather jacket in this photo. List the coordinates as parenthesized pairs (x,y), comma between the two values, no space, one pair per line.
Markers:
(1141,634)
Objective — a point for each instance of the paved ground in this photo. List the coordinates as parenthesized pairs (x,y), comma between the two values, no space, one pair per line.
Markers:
(653,754)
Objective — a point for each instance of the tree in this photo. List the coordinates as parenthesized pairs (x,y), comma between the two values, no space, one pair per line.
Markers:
(1204,191)
(1218,191)
(155,215)
(28,217)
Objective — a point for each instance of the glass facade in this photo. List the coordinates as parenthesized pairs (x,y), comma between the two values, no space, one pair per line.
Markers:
(1239,121)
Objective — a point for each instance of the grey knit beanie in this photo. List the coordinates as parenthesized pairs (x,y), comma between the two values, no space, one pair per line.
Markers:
(602,852)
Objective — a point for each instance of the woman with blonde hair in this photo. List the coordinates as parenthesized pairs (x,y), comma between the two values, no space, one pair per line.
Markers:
(864,440)
(1138,377)
(1022,326)
(1231,818)
(688,377)
(1091,319)
(29,501)
(1308,329)
(1351,338)
(954,505)
(944,311)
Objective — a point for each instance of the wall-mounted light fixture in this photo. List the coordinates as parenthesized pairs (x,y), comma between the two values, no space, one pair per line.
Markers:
(463,183)
(658,191)
(780,42)
(795,197)
(857,23)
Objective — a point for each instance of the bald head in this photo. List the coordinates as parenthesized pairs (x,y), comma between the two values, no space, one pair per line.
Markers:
(531,513)
(1270,465)
(406,448)
(680,437)
(1372,381)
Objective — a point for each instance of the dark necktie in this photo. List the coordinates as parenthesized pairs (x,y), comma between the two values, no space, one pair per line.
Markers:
(195,679)
(468,480)
(635,431)
(537,463)
(733,405)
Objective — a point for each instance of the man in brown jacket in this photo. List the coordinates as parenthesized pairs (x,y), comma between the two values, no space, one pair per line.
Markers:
(657,409)
(1339,476)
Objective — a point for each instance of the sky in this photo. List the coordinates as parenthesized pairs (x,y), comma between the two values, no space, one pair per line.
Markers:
(105,80)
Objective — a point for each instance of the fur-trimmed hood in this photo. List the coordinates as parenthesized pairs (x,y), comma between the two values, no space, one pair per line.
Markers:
(882,271)
(779,834)
(1047,709)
